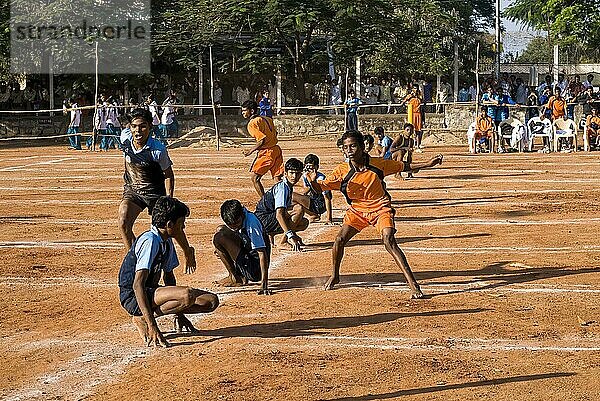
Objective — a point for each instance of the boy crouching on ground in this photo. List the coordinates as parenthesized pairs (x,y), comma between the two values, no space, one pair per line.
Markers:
(243,246)
(151,257)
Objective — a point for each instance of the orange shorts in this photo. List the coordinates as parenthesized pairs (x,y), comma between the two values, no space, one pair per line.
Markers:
(269,159)
(379,219)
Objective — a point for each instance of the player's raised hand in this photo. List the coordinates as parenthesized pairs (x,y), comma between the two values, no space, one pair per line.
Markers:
(155,338)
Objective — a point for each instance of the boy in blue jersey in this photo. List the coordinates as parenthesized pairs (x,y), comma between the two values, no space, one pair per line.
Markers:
(384,144)
(148,176)
(351,105)
(152,257)
(243,246)
(277,211)
(314,203)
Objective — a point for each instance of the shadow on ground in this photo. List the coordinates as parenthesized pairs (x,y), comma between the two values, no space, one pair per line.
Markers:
(435,389)
(309,327)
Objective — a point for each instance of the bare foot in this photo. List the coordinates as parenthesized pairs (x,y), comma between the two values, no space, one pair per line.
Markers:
(398,175)
(141,326)
(229,282)
(417,294)
(331,282)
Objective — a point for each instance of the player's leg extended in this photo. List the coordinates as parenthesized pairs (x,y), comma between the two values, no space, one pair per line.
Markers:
(128,213)
(227,248)
(177,299)
(346,233)
(387,235)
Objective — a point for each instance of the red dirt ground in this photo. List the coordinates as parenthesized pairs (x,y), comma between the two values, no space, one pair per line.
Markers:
(506,245)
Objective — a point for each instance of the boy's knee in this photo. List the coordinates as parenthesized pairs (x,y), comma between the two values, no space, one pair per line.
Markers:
(219,235)
(340,241)
(302,224)
(213,301)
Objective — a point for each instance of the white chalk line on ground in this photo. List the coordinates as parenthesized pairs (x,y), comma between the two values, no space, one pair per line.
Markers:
(13,168)
(481,286)
(118,177)
(433,344)
(85,373)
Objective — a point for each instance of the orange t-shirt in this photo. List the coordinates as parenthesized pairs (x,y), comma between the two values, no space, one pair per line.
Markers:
(415,102)
(592,119)
(365,189)
(557,106)
(263,127)
(485,126)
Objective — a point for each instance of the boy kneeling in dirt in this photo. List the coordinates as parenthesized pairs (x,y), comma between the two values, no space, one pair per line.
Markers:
(151,257)
(243,247)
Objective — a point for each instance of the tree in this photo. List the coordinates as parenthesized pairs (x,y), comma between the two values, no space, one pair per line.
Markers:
(571,24)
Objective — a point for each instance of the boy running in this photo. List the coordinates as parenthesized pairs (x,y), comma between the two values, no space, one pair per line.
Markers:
(268,157)
(151,256)
(361,182)
(277,211)
(147,169)
(243,246)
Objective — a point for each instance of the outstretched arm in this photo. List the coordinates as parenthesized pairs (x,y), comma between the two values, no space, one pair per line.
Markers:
(434,161)
(264,269)
(284,220)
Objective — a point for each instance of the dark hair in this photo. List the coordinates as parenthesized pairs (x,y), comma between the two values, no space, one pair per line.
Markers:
(368,138)
(311,159)
(294,164)
(378,131)
(408,125)
(231,211)
(250,105)
(356,136)
(168,209)
(339,142)
(144,114)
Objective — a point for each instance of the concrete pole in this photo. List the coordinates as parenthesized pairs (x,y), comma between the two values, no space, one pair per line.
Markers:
(498,42)
(200,84)
(555,66)
(51,79)
(279,96)
(455,71)
(357,78)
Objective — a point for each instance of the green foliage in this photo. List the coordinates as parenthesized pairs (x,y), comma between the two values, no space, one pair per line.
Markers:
(567,22)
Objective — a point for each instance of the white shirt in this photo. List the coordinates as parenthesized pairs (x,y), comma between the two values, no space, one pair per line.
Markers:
(75,116)
(168,112)
(100,117)
(153,107)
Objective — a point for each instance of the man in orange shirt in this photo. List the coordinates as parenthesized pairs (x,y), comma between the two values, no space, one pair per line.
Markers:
(557,104)
(484,129)
(268,157)
(592,128)
(413,99)
(361,182)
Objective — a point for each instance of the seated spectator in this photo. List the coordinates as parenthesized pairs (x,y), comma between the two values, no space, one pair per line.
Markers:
(511,134)
(592,129)
(588,99)
(564,127)
(557,104)
(384,144)
(532,105)
(484,129)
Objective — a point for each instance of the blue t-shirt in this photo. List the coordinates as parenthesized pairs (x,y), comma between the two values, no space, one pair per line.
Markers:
(149,252)
(253,229)
(312,193)
(353,104)
(386,144)
(280,195)
(265,107)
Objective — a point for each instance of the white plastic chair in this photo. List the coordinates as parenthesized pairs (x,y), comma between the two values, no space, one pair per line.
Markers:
(517,135)
(564,129)
(546,132)
(471,137)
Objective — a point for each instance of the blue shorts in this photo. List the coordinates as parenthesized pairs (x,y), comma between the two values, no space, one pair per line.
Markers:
(247,265)
(73,131)
(129,301)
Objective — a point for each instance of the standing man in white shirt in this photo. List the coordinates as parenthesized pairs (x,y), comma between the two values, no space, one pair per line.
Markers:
(75,121)
(168,123)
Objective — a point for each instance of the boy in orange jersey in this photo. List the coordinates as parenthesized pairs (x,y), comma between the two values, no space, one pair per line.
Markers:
(592,128)
(484,130)
(414,100)
(557,104)
(268,157)
(361,182)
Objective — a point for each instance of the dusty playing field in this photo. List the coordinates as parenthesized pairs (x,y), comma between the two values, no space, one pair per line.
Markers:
(506,246)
